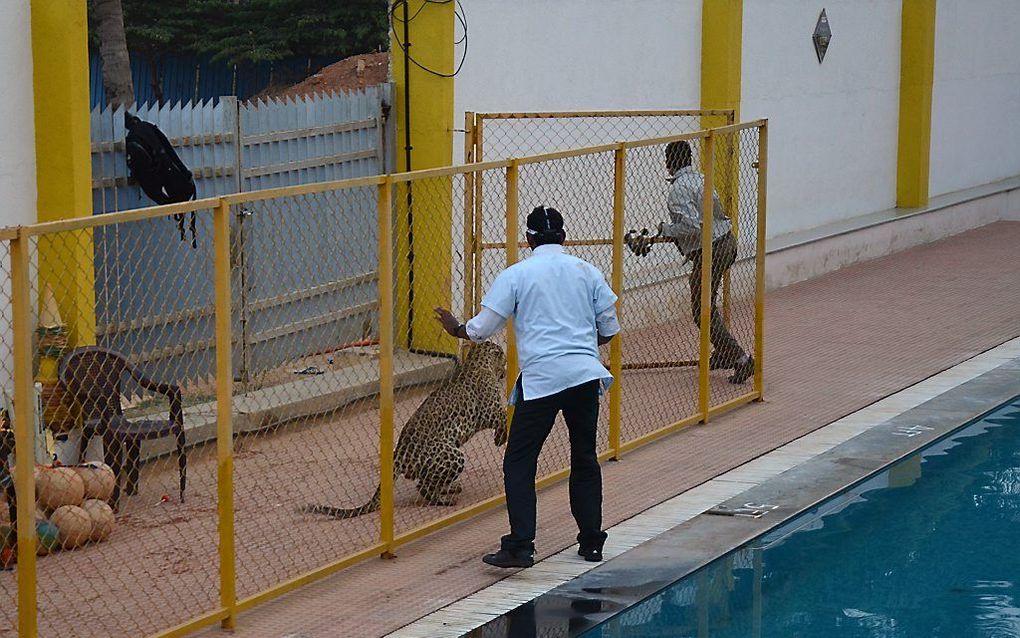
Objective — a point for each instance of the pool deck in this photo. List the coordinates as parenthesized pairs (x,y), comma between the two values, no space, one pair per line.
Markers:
(835,345)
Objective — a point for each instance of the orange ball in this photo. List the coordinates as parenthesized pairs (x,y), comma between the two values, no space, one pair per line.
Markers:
(102,519)
(98,479)
(59,486)
(75,525)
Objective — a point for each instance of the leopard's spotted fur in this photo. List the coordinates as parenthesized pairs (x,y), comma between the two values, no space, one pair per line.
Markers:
(428,449)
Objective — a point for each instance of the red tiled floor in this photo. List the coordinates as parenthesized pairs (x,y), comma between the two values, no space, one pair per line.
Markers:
(834,344)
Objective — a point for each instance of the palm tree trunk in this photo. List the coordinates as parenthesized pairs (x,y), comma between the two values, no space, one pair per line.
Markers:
(117,83)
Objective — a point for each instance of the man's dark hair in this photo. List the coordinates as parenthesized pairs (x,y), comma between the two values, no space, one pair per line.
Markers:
(678,155)
(545,226)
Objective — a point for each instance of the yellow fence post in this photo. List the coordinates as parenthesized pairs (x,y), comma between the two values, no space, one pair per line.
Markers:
(730,201)
(616,345)
(24,434)
(224,414)
(469,216)
(386,366)
(512,231)
(759,265)
(706,278)
(479,220)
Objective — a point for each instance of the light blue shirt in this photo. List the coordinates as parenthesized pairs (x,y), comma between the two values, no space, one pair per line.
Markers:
(559,304)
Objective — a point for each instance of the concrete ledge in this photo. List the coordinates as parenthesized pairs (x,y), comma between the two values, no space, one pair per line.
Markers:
(306,396)
(807,254)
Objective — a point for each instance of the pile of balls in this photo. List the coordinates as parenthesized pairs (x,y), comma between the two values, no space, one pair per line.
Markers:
(72,506)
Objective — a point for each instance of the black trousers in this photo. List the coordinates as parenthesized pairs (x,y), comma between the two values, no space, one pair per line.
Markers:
(532,422)
(724,254)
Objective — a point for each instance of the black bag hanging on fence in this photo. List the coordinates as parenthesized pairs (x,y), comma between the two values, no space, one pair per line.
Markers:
(160,172)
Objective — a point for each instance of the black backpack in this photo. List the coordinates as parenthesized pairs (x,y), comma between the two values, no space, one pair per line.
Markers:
(162,175)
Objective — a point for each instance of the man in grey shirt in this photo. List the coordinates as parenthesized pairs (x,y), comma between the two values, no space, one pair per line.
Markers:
(684,204)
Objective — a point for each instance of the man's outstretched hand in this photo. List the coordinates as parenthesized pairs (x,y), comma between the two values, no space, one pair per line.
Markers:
(447,320)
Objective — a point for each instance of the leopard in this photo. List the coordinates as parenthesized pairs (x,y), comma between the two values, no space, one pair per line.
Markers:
(428,448)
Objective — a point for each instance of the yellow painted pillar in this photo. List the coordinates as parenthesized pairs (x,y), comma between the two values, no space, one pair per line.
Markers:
(423,98)
(60,70)
(917,67)
(721,46)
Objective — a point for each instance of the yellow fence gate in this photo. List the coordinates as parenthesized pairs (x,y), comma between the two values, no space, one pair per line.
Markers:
(216,476)
(489,136)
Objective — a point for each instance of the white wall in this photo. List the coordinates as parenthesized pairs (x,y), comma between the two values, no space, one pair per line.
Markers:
(975,121)
(17,161)
(832,126)
(17,130)
(542,55)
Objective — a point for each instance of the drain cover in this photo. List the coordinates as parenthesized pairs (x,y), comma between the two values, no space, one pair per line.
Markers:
(747,510)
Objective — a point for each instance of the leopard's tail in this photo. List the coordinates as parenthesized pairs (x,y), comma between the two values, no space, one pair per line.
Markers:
(338,512)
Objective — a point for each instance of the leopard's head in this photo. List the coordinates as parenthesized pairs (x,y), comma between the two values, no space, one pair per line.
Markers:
(486,358)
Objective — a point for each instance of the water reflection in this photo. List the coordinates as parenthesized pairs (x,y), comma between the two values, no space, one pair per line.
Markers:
(927,549)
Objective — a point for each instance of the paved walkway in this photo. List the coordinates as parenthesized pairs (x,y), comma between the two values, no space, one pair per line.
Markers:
(834,345)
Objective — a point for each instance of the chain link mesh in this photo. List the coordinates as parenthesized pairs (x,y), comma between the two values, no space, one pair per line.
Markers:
(8,590)
(660,333)
(152,564)
(306,413)
(437,275)
(304,283)
(736,178)
(506,135)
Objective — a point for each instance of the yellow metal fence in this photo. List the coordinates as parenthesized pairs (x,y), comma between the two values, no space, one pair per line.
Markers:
(322,430)
(493,136)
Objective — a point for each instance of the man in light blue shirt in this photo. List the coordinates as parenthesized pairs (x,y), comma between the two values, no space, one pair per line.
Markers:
(563,310)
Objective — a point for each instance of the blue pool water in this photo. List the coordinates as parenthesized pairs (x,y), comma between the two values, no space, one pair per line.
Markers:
(928,548)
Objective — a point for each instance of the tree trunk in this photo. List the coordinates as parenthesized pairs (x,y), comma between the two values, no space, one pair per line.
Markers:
(157,81)
(117,83)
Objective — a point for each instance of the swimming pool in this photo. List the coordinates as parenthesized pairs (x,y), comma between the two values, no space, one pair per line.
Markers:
(929,547)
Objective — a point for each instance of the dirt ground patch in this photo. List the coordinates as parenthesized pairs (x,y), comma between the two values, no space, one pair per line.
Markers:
(355,72)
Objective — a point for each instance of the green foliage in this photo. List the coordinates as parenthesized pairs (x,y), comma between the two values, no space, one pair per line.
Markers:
(238,31)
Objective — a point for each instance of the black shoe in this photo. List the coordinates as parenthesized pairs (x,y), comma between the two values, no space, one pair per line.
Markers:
(590,554)
(743,370)
(718,362)
(506,559)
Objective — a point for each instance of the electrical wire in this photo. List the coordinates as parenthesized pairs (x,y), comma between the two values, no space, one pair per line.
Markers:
(459,13)
(461,17)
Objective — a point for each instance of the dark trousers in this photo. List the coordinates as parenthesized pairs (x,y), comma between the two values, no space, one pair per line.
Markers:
(724,254)
(532,422)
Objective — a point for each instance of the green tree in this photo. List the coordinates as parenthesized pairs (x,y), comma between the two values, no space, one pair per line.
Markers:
(246,31)
(269,30)
(318,27)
